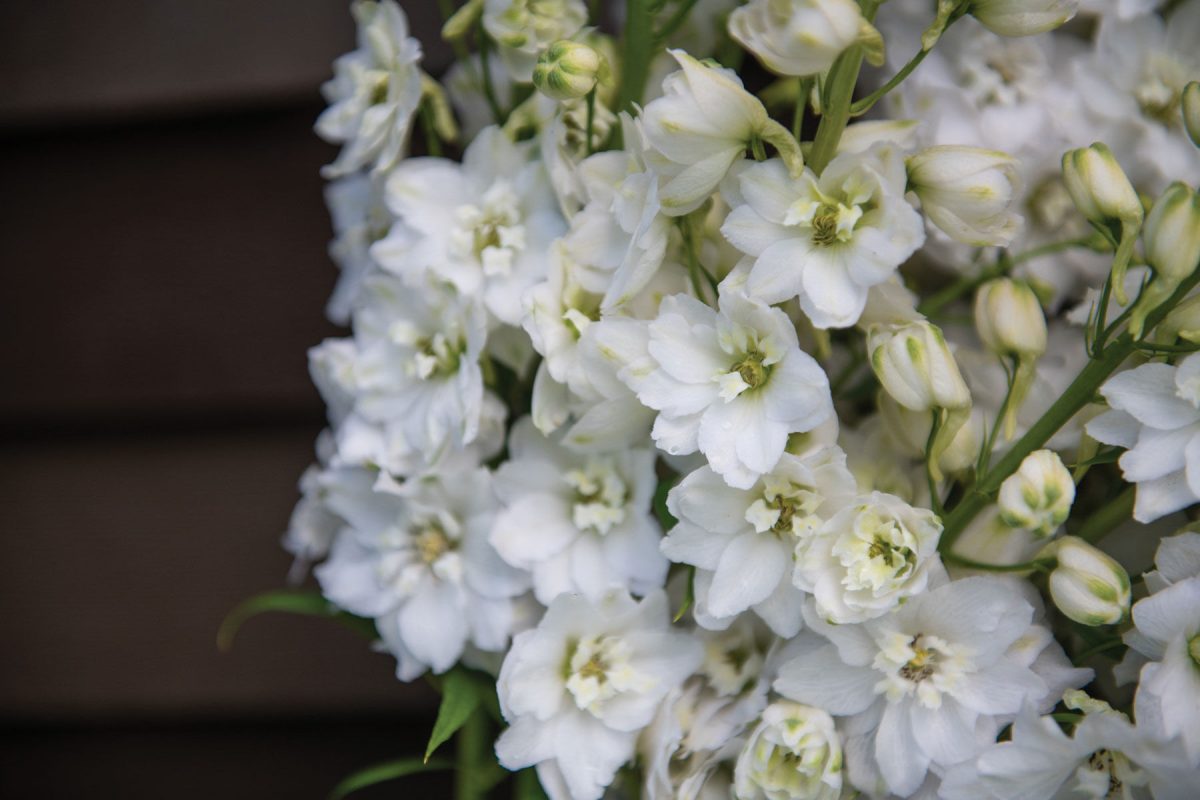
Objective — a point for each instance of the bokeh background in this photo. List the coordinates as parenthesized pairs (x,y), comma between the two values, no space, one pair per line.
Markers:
(162,236)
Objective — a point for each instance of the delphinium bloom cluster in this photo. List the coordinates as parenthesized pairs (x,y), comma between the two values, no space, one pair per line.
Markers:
(783,399)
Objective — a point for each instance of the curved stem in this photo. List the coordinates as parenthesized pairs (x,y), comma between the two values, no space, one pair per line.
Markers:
(638,50)
(874,97)
(838,94)
(677,19)
(473,746)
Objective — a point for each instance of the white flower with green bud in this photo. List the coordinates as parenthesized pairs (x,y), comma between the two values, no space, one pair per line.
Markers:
(794,753)
(567,70)
(524,28)
(1171,235)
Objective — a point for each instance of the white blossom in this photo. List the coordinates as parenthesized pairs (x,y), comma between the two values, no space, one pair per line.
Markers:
(732,383)
(868,558)
(741,540)
(579,523)
(968,192)
(799,37)
(415,557)
(826,240)
(523,28)
(1156,415)
(794,753)
(926,685)
(484,225)
(1038,496)
(577,689)
(374,93)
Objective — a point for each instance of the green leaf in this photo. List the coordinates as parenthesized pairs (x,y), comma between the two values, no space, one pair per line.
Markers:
(689,596)
(460,697)
(384,771)
(526,786)
(292,602)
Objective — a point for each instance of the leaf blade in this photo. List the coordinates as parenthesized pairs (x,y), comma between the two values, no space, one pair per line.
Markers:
(384,771)
(460,698)
(289,601)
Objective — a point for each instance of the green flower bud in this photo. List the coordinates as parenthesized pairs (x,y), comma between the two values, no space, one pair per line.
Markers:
(1038,496)
(1099,187)
(1088,586)
(1190,105)
(1009,318)
(1171,237)
(567,70)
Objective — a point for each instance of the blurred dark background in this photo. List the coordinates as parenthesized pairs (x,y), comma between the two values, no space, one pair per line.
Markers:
(162,236)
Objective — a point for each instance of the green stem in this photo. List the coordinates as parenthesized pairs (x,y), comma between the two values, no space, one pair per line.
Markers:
(1102,647)
(677,19)
(1037,565)
(935,425)
(939,300)
(803,92)
(638,51)
(591,120)
(489,90)
(1077,395)
(839,93)
(874,97)
(989,443)
(471,756)
(1049,249)
(433,145)
(1107,517)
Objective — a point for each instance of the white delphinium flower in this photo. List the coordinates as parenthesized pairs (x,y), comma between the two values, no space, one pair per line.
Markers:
(374,93)
(1038,496)
(801,37)
(578,688)
(741,540)
(1177,558)
(359,220)
(1132,86)
(732,383)
(793,754)
(698,729)
(312,525)
(1104,758)
(580,523)
(868,558)
(1167,635)
(524,28)
(828,239)
(1156,415)
(415,557)
(704,122)
(968,192)
(484,225)
(418,362)
(926,685)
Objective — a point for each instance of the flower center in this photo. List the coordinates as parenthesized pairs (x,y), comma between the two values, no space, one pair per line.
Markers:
(878,554)
(436,357)
(732,662)
(491,233)
(923,665)
(744,375)
(1106,774)
(600,494)
(432,543)
(597,668)
(833,223)
(784,509)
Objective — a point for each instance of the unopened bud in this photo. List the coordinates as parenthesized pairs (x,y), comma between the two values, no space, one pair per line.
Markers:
(1087,585)
(1022,17)
(1038,496)
(567,70)
(1189,103)
(1171,237)
(1099,187)
(801,37)
(1104,195)
(1009,318)
(916,367)
(968,192)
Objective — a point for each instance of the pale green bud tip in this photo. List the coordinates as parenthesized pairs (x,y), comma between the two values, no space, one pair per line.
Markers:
(1190,104)
(1194,649)
(1088,586)
(1172,233)
(1099,187)
(567,70)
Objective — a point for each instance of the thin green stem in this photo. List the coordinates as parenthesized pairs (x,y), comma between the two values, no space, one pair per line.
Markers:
(935,499)
(1037,565)
(1102,647)
(839,93)
(591,120)
(433,144)
(937,301)
(989,443)
(874,97)
(803,92)
(1107,517)
(489,89)
(1050,249)
(638,51)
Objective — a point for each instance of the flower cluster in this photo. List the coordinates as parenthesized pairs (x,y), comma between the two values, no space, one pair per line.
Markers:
(734,440)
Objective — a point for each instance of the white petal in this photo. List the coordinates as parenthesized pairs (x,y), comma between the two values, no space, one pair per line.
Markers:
(902,765)
(433,625)
(1148,393)
(749,570)
(820,678)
